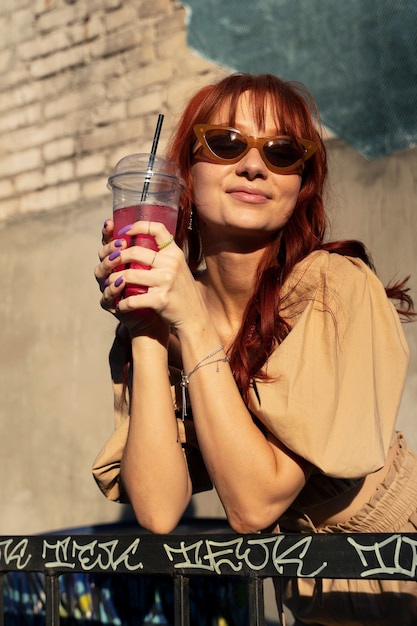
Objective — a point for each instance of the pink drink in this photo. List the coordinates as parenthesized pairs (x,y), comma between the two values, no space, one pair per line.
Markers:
(145,187)
(147,213)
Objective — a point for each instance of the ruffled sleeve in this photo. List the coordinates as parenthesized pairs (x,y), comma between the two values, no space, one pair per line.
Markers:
(336,381)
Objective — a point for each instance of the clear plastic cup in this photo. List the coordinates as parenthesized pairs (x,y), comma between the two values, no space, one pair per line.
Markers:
(144,193)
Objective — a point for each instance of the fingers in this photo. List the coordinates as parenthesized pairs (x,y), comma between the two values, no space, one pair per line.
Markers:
(107,231)
(109,253)
(112,249)
(160,233)
(140,255)
(112,290)
(121,265)
(152,286)
(157,230)
(110,257)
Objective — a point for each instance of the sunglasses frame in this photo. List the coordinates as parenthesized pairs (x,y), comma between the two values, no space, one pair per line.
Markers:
(200,131)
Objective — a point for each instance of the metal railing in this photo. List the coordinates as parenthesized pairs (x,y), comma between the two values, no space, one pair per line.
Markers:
(182,556)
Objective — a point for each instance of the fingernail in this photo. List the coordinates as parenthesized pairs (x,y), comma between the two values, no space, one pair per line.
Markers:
(105,223)
(114,255)
(118,281)
(125,229)
(106,282)
(118,243)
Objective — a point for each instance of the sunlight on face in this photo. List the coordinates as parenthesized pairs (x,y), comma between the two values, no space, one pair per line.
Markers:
(244,198)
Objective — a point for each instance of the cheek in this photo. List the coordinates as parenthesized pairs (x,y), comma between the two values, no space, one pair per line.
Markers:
(295,183)
(292,187)
(203,183)
(197,186)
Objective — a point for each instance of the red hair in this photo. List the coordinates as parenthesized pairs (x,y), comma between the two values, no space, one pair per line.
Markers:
(296,115)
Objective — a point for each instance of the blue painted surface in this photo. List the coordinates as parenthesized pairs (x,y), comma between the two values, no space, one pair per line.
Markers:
(358,57)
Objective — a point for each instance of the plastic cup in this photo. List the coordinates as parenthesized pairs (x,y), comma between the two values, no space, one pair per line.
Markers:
(141,193)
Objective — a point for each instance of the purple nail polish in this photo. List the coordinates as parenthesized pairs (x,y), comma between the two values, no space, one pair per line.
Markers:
(118,243)
(114,255)
(118,281)
(124,230)
(105,223)
(106,282)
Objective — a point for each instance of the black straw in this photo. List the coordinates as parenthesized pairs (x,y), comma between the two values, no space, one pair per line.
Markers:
(152,155)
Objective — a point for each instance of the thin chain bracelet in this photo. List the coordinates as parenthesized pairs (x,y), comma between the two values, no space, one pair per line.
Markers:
(185,378)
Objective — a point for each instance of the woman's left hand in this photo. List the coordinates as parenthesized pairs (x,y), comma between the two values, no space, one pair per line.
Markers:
(171,288)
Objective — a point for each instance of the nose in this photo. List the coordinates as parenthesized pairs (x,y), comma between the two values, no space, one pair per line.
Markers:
(252,165)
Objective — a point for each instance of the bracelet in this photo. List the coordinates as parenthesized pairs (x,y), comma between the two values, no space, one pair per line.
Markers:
(185,378)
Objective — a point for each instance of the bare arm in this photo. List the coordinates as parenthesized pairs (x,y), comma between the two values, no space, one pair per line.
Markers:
(257,478)
(154,471)
(153,468)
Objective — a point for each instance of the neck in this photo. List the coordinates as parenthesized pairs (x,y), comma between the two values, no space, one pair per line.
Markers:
(228,284)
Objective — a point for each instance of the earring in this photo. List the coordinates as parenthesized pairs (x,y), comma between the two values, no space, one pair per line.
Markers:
(190,222)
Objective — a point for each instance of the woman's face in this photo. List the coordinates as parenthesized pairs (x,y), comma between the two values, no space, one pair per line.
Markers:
(244,199)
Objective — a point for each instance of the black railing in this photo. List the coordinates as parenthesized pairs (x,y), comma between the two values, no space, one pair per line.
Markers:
(182,556)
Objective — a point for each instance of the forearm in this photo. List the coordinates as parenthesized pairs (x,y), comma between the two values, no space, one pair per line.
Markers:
(256,477)
(154,471)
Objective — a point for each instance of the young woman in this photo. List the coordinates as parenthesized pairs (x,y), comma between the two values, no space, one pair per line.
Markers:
(288,350)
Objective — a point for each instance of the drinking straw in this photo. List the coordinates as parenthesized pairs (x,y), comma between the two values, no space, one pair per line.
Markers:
(149,169)
(152,155)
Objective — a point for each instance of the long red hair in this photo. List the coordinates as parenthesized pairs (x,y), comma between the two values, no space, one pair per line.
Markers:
(296,115)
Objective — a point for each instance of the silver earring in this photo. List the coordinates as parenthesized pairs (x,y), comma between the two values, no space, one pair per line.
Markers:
(190,222)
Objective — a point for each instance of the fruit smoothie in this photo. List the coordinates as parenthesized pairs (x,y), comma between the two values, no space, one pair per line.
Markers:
(147,213)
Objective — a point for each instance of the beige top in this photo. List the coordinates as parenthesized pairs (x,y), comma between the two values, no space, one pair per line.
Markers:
(336,379)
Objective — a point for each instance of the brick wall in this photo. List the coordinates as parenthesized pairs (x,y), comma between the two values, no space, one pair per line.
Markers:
(81,84)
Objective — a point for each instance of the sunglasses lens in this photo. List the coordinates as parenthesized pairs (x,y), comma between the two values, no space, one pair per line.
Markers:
(226,144)
(282,152)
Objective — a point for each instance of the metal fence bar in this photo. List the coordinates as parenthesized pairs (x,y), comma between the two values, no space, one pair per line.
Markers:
(181,600)
(256,601)
(52,599)
(1,599)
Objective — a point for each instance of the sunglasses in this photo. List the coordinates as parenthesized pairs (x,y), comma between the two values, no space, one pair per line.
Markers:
(281,154)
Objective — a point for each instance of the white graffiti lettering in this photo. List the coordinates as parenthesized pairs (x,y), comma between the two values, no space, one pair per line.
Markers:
(68,552)
(280,560)
(390,555)
(10,553)
(214,555)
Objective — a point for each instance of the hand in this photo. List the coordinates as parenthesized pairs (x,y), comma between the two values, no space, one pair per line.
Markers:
(112,283)
(171,288)
(109,257)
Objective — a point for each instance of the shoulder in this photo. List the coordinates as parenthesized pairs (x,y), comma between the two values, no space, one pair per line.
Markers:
(331,283)
(324,267)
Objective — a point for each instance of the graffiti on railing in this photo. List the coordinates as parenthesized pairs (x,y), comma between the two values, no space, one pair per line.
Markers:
(15,553)
(354,556)
(255,554)
(389,556)
(68,553)
(95,554)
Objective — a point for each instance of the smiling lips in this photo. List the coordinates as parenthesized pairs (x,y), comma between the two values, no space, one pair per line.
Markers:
(249,194)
